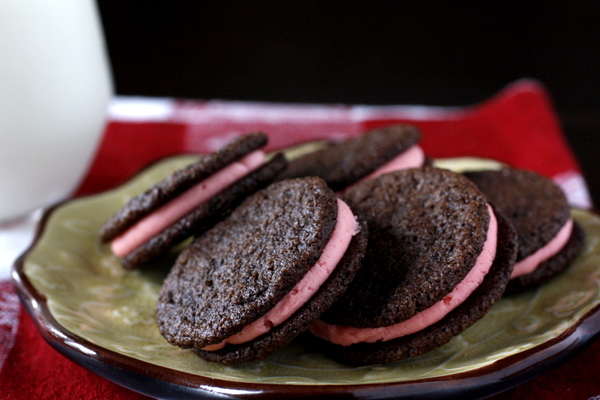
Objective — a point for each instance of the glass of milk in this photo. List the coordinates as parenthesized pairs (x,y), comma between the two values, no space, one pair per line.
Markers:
(55,85)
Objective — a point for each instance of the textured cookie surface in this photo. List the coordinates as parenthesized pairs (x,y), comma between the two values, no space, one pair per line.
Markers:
(536,206)
(241,268)
(178,183)
(474,308)
(344,163)
(426,228)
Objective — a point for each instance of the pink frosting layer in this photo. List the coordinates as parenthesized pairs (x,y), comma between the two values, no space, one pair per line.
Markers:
(413,157)
(347,335)
(174,210)
(529,264)
(346,227)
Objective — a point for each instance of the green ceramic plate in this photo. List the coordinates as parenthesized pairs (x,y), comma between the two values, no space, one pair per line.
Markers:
(102,317)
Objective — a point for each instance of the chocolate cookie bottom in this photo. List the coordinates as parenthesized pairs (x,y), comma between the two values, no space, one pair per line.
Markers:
(551,267)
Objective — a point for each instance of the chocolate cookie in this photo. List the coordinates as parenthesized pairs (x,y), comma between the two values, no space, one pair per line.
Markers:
(248,173)
(539,211)
(428,230)
(344,163)
(243,268)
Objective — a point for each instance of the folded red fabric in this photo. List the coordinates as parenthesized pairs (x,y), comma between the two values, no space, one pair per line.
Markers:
(518,126)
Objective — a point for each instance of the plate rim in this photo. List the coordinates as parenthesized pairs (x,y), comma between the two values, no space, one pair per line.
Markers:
(494,378)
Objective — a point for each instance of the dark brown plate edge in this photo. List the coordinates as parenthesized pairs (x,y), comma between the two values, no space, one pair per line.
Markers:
(161,382)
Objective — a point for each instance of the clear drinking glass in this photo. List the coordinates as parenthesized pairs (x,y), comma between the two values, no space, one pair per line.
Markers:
(55,85)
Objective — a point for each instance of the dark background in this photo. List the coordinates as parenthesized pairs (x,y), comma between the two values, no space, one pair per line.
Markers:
(393,52)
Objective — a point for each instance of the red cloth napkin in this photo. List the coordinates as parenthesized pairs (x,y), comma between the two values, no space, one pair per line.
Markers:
(517,126)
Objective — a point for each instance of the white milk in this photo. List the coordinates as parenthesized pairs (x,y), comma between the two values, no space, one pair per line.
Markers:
(55,85)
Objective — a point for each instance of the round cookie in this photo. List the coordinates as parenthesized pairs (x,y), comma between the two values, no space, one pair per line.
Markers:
(199,217)
(427,229)
(538,210)
(235,273)
(344,163)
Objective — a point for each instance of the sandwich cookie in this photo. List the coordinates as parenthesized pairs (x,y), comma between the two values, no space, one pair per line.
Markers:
(190,200)
(549,239)
(439,256)
(362,157)
(263,275)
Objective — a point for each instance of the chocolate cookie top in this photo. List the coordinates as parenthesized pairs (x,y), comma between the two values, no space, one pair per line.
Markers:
(179,182)
(282,334)
(205,215)
(427,227)
(237,271)
(344,163)
(535,205)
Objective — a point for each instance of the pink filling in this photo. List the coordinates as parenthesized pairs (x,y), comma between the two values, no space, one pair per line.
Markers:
(347,335)
(346,227)
(413,157)
(529,264)
(174,210)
